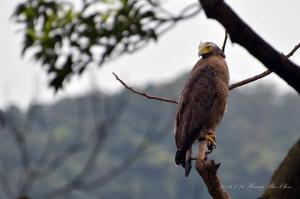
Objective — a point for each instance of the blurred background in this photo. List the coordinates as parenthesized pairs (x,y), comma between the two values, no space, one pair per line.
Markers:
(92,139)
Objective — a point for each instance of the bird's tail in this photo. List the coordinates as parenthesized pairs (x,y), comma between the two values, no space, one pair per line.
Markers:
(183,158)
(180,157)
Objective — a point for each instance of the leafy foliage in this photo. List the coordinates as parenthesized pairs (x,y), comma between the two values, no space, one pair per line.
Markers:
(66,39)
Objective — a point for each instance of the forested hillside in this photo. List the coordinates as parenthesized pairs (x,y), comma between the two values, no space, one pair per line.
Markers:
(258,129)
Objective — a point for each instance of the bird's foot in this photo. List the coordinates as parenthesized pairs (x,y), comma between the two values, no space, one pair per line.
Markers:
(210,137)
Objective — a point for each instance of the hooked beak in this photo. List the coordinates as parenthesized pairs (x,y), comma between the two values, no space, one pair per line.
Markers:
(202,50)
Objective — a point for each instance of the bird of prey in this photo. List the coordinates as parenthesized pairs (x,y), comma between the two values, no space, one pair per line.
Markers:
(202,103)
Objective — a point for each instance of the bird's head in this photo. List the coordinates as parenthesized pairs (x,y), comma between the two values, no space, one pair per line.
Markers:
(208,48)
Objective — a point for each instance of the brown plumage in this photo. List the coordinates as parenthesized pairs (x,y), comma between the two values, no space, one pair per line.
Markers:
(202,102)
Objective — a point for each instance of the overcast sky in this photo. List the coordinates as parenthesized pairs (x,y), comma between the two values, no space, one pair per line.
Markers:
(22,80)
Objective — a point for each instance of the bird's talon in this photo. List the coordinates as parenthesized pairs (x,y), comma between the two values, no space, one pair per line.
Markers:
(209,151)
(211,139)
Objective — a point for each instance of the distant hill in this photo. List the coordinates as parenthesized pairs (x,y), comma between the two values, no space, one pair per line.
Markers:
(257,130)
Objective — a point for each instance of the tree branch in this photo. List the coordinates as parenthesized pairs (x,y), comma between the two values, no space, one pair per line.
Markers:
(231,87)
(264,74)
(242,34)
(207,169)
(144,94)
(21,144)
(293,51)
(132,158)
(225,41)
(249,80)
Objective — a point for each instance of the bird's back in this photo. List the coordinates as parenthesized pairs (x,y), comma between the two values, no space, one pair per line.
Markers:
(196,100)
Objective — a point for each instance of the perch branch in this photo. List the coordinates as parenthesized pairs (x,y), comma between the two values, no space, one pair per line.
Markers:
(143,93)
(207,169)
(231,87)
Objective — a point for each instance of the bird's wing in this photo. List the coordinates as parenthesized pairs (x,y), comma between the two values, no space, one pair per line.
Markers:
(194,106)
(218,107)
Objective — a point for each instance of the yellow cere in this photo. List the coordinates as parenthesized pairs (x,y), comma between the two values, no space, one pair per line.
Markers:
(203,49)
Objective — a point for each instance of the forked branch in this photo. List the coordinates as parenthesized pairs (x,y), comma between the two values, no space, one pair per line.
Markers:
(244,35)
(231,87)
(207,169)
(264,74)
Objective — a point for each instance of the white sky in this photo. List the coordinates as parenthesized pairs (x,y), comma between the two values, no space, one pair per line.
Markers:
(22,80)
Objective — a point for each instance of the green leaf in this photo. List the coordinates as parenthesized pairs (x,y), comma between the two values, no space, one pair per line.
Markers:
(69,15)
(53,25)
(30,38)
(61,74)
(30,13)
(20,9)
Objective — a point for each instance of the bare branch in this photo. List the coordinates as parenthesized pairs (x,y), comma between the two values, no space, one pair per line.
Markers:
(45,152)
(53,164)
(231,87)
(207,169)
(21,144)
(249,80)
(100,133)
(132,158)
(264,74)
(20,140)
(183,13)
(225,41)
(180,17)
(144,94)
(293,51)
(244,35)
(118,170)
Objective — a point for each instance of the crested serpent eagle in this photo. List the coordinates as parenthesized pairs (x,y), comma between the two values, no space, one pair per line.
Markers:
(202,103)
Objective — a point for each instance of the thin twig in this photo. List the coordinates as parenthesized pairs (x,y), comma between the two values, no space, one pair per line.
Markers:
(264,74)
(53,164)
(225,41)
(20,140)
(293,51)
(132,158)
(182,16)
(251,79)
(143,93)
